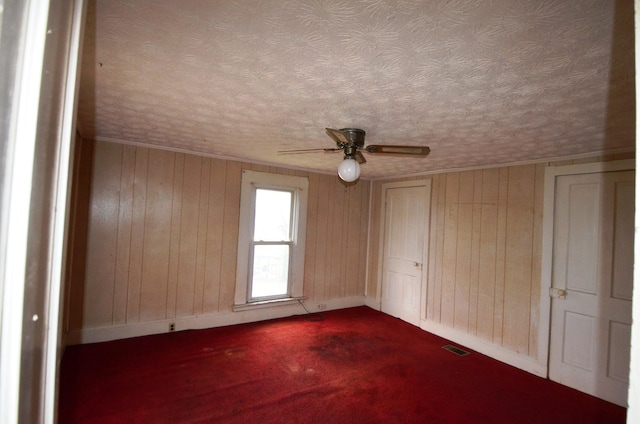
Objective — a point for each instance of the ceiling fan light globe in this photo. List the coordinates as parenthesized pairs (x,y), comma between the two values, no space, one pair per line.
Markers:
(349,170)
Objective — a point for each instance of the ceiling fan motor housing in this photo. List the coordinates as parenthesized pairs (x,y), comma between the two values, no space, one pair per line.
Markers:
(354,135)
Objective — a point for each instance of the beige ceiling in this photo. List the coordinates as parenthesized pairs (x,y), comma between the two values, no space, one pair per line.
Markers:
(480,82)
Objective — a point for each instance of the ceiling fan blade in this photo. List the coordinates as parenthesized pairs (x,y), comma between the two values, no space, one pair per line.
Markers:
(398,150)
(293,152)
(337,135)
(360,157)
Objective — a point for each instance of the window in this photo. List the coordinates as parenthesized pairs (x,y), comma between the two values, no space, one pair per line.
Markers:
(270,250)
(271,238)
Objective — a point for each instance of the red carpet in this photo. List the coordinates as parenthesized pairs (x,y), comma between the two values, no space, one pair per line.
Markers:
(355,366)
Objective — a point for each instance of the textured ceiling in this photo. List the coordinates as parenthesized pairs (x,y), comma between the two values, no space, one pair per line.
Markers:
(480,82)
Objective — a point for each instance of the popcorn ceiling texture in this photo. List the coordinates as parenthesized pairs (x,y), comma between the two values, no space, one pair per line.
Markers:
(480,82)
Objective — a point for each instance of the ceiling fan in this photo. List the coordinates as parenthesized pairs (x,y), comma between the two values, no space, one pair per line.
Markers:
(351,141)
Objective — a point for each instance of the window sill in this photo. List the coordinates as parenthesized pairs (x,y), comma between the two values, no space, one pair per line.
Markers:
(267,303)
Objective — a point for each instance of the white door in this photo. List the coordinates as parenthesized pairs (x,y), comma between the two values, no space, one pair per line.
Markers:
(592,280)
(405,224)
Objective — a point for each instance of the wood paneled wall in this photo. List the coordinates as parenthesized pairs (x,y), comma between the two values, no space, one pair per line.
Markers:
(163,230)
(155,238)
(484,259)
(484,253)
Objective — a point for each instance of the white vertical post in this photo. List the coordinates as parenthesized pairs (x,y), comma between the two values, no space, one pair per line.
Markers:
(62,190)
(633,411)
(17,182)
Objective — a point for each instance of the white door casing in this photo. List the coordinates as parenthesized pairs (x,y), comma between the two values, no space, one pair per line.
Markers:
(591,283)
(42,48)
(405,232)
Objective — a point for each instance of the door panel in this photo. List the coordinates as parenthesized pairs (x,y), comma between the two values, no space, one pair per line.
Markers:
(403,249)
(582,237)
(592,279)
(579,333)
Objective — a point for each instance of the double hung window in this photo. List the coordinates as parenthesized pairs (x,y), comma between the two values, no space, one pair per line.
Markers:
(271,244)
(270,239)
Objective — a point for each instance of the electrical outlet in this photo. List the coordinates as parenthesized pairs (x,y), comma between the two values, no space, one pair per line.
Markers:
(322,306)
(172,326)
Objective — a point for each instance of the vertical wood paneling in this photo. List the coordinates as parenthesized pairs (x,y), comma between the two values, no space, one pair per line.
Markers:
(440,212)
(352,233)
(125,219)
(311,243)
(102,239)
(162,243)
(163,233)
(218,178)
(322,239)
(78,232)
(337,248)
(485,253)
(432,248)
(475,252)
(174,237)
(498,303)
(464,225)
(374,240)
(360,286)
(519,256)
(449,250)
(538,204)
(488,253)
(188,236)
(155,261)
(230,222)
(330,246)
(137,234)
(201,243)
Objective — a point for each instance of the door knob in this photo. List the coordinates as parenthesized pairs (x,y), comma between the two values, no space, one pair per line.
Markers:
(558,293)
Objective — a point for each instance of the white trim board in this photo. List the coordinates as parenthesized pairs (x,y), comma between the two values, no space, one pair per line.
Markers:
(208,155)
(509,357)
(372,302)
(21,138)
(525,363)
(549,161)
(421,174)
(104,334)
(117,332)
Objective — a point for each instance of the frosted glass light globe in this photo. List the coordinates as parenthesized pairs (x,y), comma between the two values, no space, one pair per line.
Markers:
(349,170)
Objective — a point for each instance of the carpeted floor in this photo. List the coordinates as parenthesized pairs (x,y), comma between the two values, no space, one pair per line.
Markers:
(353,366)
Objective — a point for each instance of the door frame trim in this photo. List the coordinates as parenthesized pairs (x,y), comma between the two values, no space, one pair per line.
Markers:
(425,182)
(551,173)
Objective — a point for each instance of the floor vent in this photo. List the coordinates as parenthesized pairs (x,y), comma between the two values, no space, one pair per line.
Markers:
(456,350)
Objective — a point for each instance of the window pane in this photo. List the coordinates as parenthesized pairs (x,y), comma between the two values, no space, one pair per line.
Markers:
(273,215)
(270,270)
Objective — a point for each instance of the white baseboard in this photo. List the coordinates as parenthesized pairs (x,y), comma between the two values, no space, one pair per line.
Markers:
(372,302)
(525,363)
(115,332)
(102,334)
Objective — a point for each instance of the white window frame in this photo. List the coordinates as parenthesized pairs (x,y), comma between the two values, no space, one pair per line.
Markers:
(289,243)
(299,187)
